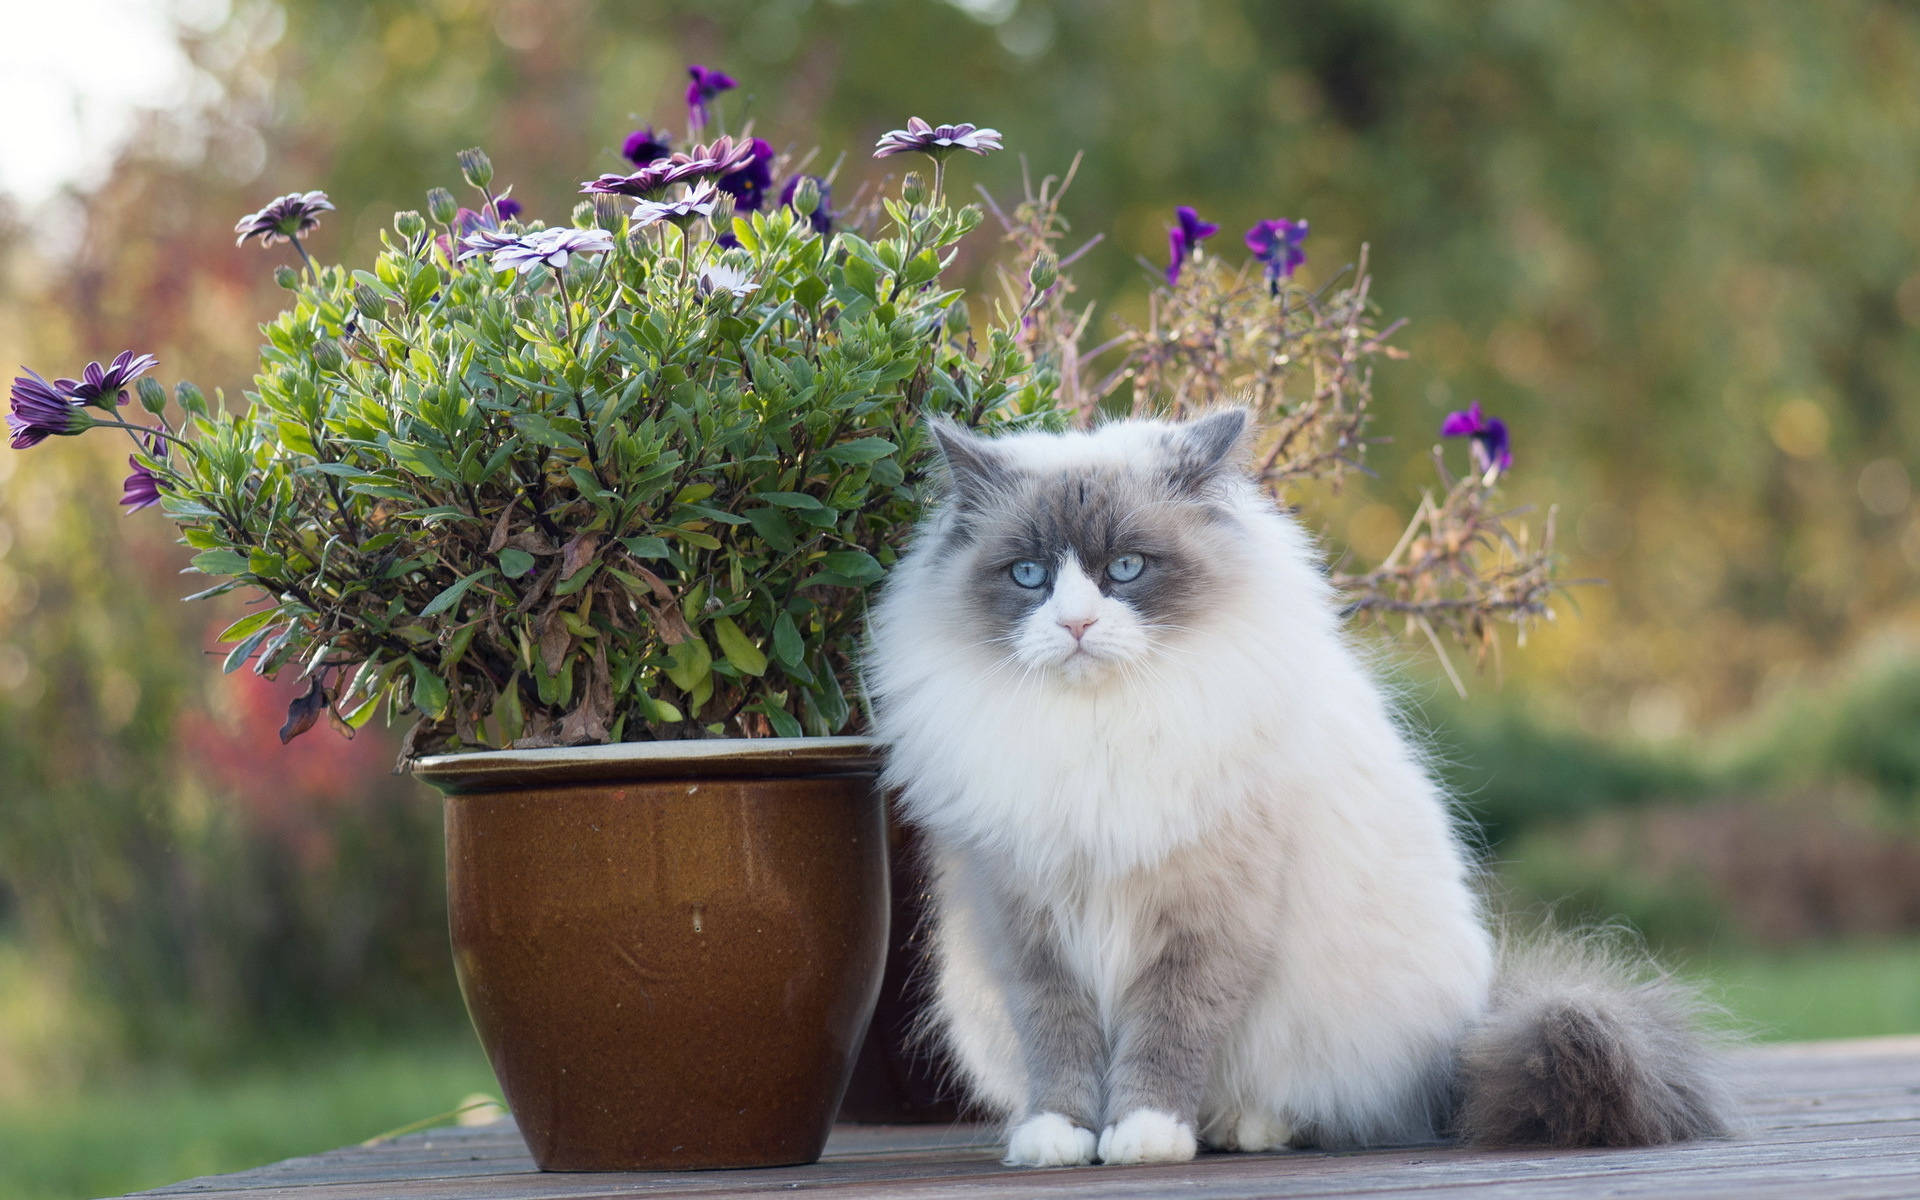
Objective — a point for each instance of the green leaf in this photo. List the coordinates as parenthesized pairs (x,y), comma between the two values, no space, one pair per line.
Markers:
(787,643)
(772,525)
(854,564)
(220,562)
(738,648)
(429,690)
(791,499)
(248,624)
(451,596)
(646,547)
(694,537)
(515,563)
(689,664)
(577,580)
(809,292)
(238,656)
(861,450)
(782,721)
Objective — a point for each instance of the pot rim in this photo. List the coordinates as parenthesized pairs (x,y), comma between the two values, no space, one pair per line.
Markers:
(629,762)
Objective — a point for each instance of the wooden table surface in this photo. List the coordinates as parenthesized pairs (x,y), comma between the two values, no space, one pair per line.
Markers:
(1824,1121)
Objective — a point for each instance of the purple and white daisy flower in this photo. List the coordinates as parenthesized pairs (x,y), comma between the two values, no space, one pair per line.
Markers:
(1277,244)
(705,86)
(141,488)
(38,411)
(1184,237)
(549,248)
(485,238)
(720,278)
(1492,448)
(289,218)
(98,383)
(696,203)
(936,142)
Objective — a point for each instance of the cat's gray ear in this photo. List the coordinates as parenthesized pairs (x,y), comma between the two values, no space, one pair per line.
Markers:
(1204,448)
(973,466)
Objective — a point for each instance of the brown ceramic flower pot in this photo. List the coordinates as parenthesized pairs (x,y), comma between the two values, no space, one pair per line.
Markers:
(670,950)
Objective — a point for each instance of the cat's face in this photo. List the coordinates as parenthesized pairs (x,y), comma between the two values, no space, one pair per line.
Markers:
(1085,568)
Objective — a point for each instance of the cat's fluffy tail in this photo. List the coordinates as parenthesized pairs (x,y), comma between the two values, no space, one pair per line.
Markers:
(1587,1044)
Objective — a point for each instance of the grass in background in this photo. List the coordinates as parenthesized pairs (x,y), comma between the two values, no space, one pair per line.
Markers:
(1812,992)
(149,1128)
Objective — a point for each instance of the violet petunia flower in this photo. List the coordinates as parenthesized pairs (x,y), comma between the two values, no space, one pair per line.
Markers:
(1185,237)
(97,382)
(821,218)
(545,247)
(1492,450)
(696,203)
(748,185)
(289,218)
(705,86)
(936,141)
(141,488)
(1277,244)
(39,411)
(644,145)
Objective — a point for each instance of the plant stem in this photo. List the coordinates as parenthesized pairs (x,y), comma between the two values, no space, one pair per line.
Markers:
(312,271)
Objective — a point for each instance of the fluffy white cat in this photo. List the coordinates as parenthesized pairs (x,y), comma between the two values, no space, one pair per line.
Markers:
(1192,883)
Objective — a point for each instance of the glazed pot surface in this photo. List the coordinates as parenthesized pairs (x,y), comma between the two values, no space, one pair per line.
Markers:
(671,973)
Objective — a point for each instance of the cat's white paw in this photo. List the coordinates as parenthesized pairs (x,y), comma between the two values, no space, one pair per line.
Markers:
(1147,1135)
(1049,1140)
(1256,1132)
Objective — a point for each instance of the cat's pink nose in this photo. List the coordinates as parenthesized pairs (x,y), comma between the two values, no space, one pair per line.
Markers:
(1079,626)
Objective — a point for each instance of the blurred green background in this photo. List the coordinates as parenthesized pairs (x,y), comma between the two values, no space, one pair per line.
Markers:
(1675,245)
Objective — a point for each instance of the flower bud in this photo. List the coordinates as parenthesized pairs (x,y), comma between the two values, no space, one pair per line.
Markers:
(476,166)
(153,397)
(369,303)
(286,277)
(524,307)
(959,320)
(606,213)
(190,398)
(913,189)
(806,196)
(410,224)
(584,215)
(327,355)
(441,206)
(721,218)
(1044,272)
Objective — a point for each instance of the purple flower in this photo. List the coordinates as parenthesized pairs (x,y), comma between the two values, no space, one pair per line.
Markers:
(142,487)
(821,218)
(748,185)
(523,252)
(644,145)
(290,217)
(39,412)
(705,86)
(1185,237)
(97,382)
(467,220)
(1491,449)
(1277,244)
(936,142)
(508,208)
(723,156)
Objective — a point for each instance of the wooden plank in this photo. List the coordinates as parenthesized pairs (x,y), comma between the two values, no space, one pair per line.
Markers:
(1840,1121)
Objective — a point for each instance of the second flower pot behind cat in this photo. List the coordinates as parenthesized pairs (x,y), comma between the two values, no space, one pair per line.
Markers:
(670,950)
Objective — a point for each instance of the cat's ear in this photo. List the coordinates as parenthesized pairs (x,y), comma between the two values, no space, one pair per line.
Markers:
(973,466)
(1203,449)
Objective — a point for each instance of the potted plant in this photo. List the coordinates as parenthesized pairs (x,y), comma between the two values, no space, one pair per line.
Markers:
(596,506)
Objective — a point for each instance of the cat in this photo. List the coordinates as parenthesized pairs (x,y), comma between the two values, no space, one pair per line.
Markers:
(1192,883)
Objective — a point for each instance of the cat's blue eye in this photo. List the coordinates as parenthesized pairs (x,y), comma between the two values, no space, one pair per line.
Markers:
(1029,574)
(1126,568)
